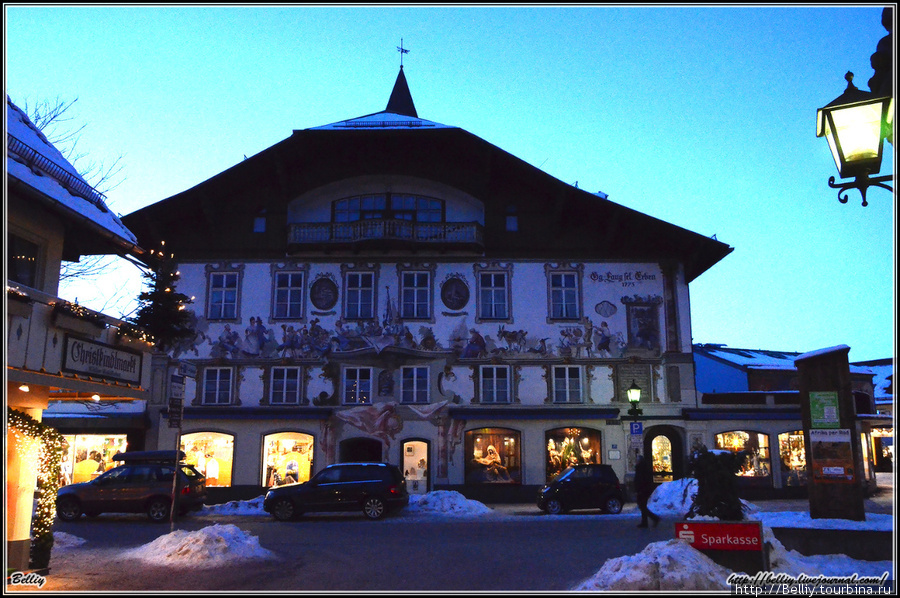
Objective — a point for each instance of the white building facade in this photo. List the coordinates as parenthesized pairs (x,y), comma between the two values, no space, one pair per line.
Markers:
(388,288)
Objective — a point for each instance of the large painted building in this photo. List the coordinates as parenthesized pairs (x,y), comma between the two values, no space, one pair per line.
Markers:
(391,288)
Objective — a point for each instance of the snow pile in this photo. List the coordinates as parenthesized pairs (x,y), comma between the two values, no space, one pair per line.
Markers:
(671,565)
(446,502)
(213,545)
(63,541)
(253,506)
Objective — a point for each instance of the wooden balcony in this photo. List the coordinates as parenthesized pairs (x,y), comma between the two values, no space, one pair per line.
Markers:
(386,234)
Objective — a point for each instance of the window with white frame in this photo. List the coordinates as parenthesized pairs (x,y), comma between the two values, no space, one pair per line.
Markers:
(493,296)
(286,386)
(217,383)
(564,303)
(223,296)
(567,384)
(495,384)
(415,295)
(360,295)
(414,384)
(357,386)
(288,295)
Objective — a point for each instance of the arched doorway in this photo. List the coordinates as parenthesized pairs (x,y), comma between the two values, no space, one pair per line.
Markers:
(360,450)
(665,447)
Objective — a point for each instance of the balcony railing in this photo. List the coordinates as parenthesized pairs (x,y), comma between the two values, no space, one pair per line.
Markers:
(391,231)
(34,159)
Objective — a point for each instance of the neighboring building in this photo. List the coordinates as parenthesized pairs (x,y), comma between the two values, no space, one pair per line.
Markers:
(760,388)
(56,350)
(391,288)
(883,436)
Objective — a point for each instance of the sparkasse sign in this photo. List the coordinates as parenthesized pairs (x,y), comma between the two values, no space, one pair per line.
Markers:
(712,535)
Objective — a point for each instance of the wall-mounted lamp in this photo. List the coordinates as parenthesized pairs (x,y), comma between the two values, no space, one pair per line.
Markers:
(856,124)
(24,388)
(634,397)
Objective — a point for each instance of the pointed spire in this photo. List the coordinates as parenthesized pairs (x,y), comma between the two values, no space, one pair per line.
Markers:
(401,101)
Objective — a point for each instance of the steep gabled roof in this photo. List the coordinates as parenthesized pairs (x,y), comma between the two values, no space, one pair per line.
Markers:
(556,220)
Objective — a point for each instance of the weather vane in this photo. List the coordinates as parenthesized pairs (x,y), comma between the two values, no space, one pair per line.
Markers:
(402,51)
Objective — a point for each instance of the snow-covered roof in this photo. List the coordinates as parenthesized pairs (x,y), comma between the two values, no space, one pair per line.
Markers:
(760,359)
(34,161)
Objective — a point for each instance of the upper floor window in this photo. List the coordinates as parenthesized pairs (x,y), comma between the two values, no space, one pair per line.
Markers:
(564,296)
(388,206)
(414,384)
(22,260)
(288,295)
(223,296)
(359,295)
(358,386)
(495,384)
(493,296)
(286,386)
(217,384)
(567,384)
(415,295)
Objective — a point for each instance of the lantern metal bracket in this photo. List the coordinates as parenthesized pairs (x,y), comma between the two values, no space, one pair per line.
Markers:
(862,182)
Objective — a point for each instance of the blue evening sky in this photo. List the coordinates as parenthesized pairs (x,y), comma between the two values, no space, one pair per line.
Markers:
(701,116)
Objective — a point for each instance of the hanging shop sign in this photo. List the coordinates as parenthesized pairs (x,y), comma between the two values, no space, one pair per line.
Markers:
(85,357)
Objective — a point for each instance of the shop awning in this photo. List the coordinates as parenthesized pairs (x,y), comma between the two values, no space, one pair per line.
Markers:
(99,422)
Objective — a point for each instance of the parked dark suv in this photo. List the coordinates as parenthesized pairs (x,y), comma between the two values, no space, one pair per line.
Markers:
(583,487)
(375,488)
(142,484)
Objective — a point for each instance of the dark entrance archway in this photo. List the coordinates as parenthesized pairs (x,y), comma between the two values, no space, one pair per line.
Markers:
(665,446)
(356,450)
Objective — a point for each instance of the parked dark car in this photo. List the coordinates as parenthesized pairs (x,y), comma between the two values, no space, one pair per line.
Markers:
(374,488)
(141,484)
(583,487)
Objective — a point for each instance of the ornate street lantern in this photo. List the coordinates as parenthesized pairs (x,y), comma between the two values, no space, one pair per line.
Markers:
(855,125)
(634,397)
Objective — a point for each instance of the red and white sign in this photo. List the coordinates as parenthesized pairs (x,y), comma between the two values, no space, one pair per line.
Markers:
(717,535)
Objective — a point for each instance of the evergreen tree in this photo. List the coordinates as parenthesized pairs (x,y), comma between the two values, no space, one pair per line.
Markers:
(162,313)
(717,492)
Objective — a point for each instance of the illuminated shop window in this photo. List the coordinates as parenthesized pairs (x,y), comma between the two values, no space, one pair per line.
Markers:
(212,453)
(571,446)
(792,449)
(288,458)
(89,455)
(661,449)
(758,462)
(493,456)
(415,466)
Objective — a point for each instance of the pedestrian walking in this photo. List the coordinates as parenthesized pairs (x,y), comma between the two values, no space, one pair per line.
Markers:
(643,486)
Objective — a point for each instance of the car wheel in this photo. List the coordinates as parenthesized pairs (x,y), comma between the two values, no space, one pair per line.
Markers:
(68,509)
(613,505)
(554,506)
(158,510)
(374,508)
(283,510)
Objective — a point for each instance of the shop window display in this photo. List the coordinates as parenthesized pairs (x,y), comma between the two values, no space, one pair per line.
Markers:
(571,446)
(288,458)
(758,464)
(661,450)
(212,453)
(89,455)
(415,466)
(493,456)
(792,449)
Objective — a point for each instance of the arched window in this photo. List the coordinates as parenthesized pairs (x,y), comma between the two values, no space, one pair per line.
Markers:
(571,446)
(288,458)
(661,450)
(212,453)
(493,456)
(758,462)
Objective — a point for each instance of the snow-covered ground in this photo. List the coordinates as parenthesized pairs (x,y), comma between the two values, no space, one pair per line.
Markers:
(665,565)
